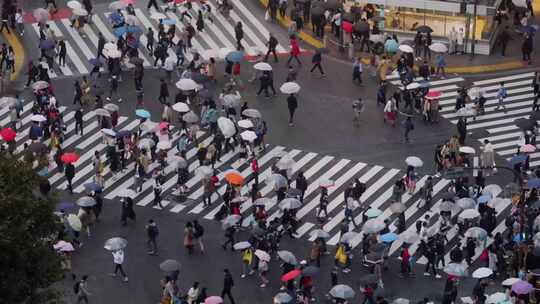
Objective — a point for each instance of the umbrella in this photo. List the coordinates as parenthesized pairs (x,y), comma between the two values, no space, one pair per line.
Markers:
(190,117)
(41,14)
(38,118)
(37,147)
(242,245)
(412,86)
(369,279)
(111,107)
(69,158)
(287,257)
(127,193)
(438,47)
(446,206)
(248,135)
(263,255)
(146,143)
(186,84)
(285,163)
(347,237)
(373,226)
(414,161)
(235,56)
(342,292)
(293,192)
(74,4)
(361,27)
(466,111)
(164,145)
(456,269)
(226,126)
(142,113)
(466,203)
(424,29)
(310,271)
(63,246)
(406,48)
(46,44)
(522,287)
(74,222)
(7,101)
(252,113)
(484,198)
(231,220)
(117,5)
(524,123)
(110,46)
(497,298)
(102,112)
(234,178)
(517,159)
(8,134)
(482,272)
(533,183)
(213,300)
(157,16)
(245,123)
(170,265)
(168,21)
(409,237)
(204,171)
(401,301)
(467,150)
(391,46)
(476,232)
(115,243)
(80,12)
(433,94)
(319,234)
(108,132)
(469,214)
(277,181)
(181,162)
(93,187)
(326,183)
(40,85)
(180,107)
(290,88)
(528,148)
(112,53)
(496,201)
(262,66)
(373,212)
(388,237)
(291,275)
(347,26)
(510,281)
(232,100)
(281,298)
(528,29)
(86,201)
(398,207)
(290,203)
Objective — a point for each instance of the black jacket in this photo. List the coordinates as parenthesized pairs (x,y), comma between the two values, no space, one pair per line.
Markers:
(228,282)
(292,103)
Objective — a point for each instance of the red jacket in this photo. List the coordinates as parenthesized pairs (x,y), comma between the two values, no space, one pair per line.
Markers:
(295,49)
(255,166)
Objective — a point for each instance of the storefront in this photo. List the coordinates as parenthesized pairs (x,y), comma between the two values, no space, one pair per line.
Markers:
(402,17)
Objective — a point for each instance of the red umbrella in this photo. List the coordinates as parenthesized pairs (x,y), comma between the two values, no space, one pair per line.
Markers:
(433,94)
(70,157)
(291,275)
(347,27)
(8,134)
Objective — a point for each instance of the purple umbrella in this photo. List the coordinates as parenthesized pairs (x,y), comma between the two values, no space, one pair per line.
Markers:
(66,206)
(522,287)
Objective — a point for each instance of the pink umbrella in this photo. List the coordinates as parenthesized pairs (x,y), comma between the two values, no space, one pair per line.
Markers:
(63,246)
(433,94)
(528,148)
(522,287)
(163,125)
(213,300)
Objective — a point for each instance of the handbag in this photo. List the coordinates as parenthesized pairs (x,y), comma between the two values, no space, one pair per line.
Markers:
(267,15)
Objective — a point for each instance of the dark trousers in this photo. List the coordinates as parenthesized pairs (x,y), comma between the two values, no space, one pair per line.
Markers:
(152,3)
(317,65)
(79,126)
(62,59)
(238,44)
(31,78)
(295,57)
(291,114)
(462,136)
(70,187)
(230,240)
(271,51)
(265,89)
(228,293)
(503,48)
(117,268)
(4,26)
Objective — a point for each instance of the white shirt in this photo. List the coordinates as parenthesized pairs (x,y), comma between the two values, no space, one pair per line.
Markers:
(19,18)
(118,257)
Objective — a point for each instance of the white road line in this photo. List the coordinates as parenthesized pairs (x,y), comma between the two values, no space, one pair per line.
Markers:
(102,28)
(506,78)
(78,39)
(97,135)
(147,24)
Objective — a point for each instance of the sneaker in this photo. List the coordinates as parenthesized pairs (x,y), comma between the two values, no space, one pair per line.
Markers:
(251,272)
(112,274)
(125,279)
(243,276)
(427,274)
(346,270)
(438,276)
(262,285)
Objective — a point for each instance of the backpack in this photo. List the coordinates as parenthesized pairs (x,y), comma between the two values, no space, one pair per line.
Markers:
(76,287)
(199,231)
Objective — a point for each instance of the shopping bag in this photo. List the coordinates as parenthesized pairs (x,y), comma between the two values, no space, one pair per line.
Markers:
(267,15)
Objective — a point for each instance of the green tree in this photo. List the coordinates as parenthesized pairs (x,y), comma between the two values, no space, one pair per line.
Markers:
(28,263)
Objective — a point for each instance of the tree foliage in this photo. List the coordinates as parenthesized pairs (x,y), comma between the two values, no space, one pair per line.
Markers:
(28,263)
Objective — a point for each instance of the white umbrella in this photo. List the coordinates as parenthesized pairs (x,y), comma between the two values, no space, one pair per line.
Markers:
(469,214)
(117,5)
(204,171)
(263,255)
(373,226)
(110,46)
(467,150)
(456,269)
(74,222)
(131,20)
(290,88)
(465,111)
(520,3)
(438,47)
(74,4)
(180,107)
(115,243)
(347,237)
(290,203)
(112,53)
(146,143)
(164,145)
(252,113)
(232,100)
(38,118)
(127,193)
(245,123)
(482,272)
(496,201)
(226,126)
(111,107)
(186,84)
(40,85)
(242,245)
(7,101)
(41,14)
(285,162)
(476,92)
(108,132)
(412,86)
(262,66)
(319,234)
(401,301)
(406,48)
(476,232)
(248,135)
(510,281)
(102,112)
(493,189)
(497,298)
(409,237)
(277,181)
(157,16)
(80,12)
(190,117)
(414,161)
(466,203)
(326,183)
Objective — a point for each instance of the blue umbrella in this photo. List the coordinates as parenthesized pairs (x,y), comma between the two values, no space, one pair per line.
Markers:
(168,21)
(43,172)
(533,183)
(527,29)
(424,83)
(116,17)
(519,158)
(142,113)
(123,133)
(391,46)
(96,62)
(93,187)
(389,237)
(120,31)
(235,56)
(134,29)
(66,206)
(46,44)
(484,199)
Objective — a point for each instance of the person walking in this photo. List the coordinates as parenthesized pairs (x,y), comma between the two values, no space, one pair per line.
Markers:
(79,121)
(81,289)
(272,44)
(118,260)
(501,95)
(358,107)
(504,37)
(127,210)
(408,126)
(62,51)
(188,237)
(462,130)
(228,284)
(200,21)
(292,104)
(239,35)
(264,84)
(163,91)
(527,48)
(357,70)
(69,171)
(316,60)
(295,51)
(153,3)
(323,203)
(301,184)
(152,232)
(229,235)
(101,46)
(198,232)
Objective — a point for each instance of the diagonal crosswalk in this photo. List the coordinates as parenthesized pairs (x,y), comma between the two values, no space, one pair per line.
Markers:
(219,34)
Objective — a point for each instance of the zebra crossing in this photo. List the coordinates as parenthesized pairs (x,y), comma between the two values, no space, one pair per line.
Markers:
(315,167)
(216,38)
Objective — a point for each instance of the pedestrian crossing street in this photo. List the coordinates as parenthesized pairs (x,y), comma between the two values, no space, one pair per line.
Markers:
(503,133)
(216,37)
(316,168)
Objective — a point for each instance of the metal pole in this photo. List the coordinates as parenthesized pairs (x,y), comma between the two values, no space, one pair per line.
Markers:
(473,42)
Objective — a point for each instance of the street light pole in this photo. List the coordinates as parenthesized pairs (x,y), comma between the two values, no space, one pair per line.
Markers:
(473,42)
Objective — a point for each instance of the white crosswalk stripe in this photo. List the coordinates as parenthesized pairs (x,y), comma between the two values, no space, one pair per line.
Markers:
(216,35)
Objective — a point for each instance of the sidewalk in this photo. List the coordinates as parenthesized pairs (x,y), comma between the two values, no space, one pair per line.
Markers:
(14,40)
(461,64)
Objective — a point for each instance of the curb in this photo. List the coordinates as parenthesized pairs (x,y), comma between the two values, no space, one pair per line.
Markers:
(20,55)
(498,67)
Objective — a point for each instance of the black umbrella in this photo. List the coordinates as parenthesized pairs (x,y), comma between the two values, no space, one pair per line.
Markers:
(448,196)
(206,93)
(361,27)
(408,42)
(317,11)
(310,271)
(535,116)
(37,147)
(348,17)
(332,4)
(199,78)
(378,18)
(524,123)
(135,60)
(369,279)
(424,29)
